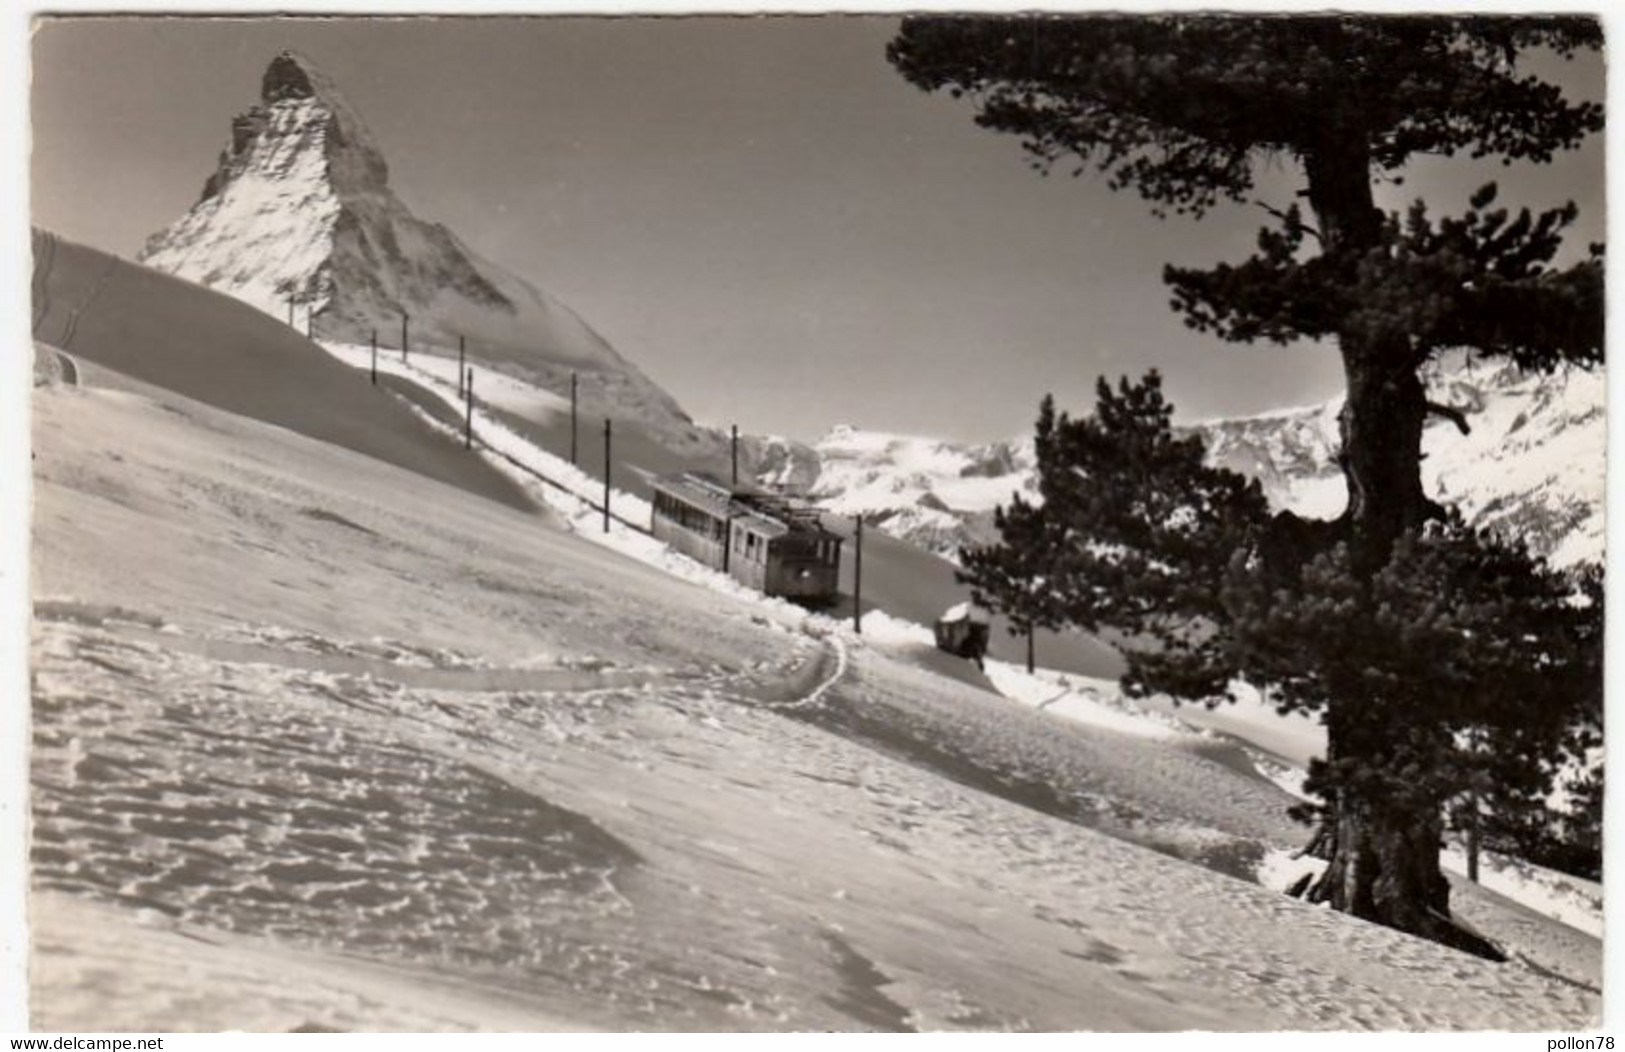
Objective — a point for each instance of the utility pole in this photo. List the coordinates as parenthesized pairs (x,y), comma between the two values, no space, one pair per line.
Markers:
(606,474)
(1472,836)
(736,454)
(405,317)
(459,361)
(468,412)
(1029,650)
(375,357)
(572,418)
(857,575)
(1475,782)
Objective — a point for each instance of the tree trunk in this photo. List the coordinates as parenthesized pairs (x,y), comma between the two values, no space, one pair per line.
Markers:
(1382,857)
(1381,427)
(1384,868)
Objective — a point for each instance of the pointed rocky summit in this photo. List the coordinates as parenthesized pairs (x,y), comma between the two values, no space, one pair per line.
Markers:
(299,208)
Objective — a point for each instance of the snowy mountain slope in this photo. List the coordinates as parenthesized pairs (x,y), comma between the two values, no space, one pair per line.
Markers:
(172,333)
(300,208)
(148,970)
(673,847)
(1249,735)
(899,578)
(1533,465)
(938,495)
(1291,452)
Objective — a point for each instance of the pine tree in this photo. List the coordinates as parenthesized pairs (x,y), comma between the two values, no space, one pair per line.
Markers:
(1015,576)
(1338,617)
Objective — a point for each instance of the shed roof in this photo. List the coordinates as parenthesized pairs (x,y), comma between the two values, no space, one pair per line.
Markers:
(967,611)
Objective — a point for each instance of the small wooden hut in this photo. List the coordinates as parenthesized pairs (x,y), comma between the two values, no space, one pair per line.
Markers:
(964,630)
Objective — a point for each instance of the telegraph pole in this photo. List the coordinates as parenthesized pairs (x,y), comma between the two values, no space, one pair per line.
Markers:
(1472,837)
(375,357)
(572,418)
(468,412)
(405,318)
(606,474)
(1030,650)
(857,575)
(459,361)
(736,454)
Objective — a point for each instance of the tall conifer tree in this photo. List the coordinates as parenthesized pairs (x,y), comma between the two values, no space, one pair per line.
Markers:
(1403,627)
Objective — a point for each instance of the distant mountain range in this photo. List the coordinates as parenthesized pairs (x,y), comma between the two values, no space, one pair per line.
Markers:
(937,494)
(1534,464)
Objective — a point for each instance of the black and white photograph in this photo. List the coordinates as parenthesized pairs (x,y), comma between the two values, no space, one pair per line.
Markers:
(696,522)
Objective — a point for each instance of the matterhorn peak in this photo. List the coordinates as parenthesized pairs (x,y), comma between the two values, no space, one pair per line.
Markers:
(290,76)
(298,219)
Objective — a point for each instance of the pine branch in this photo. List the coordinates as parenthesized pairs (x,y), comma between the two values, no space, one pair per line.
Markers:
(1291,218)
(1452,414)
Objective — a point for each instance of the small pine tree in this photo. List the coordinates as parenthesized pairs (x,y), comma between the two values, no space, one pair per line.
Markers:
(1465,662)
(1014,577)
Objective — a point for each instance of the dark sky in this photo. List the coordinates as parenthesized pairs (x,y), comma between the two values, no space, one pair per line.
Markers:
(758,211)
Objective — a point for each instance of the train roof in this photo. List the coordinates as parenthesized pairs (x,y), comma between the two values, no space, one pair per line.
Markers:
(765,513)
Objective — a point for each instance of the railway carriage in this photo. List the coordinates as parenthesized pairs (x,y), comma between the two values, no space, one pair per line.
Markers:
(759,539)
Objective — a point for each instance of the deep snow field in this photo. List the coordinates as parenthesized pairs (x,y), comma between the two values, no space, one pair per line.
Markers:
(322,743)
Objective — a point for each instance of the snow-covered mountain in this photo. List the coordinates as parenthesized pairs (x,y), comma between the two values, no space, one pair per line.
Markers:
(937,494)
(1533,465)
(300,209)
